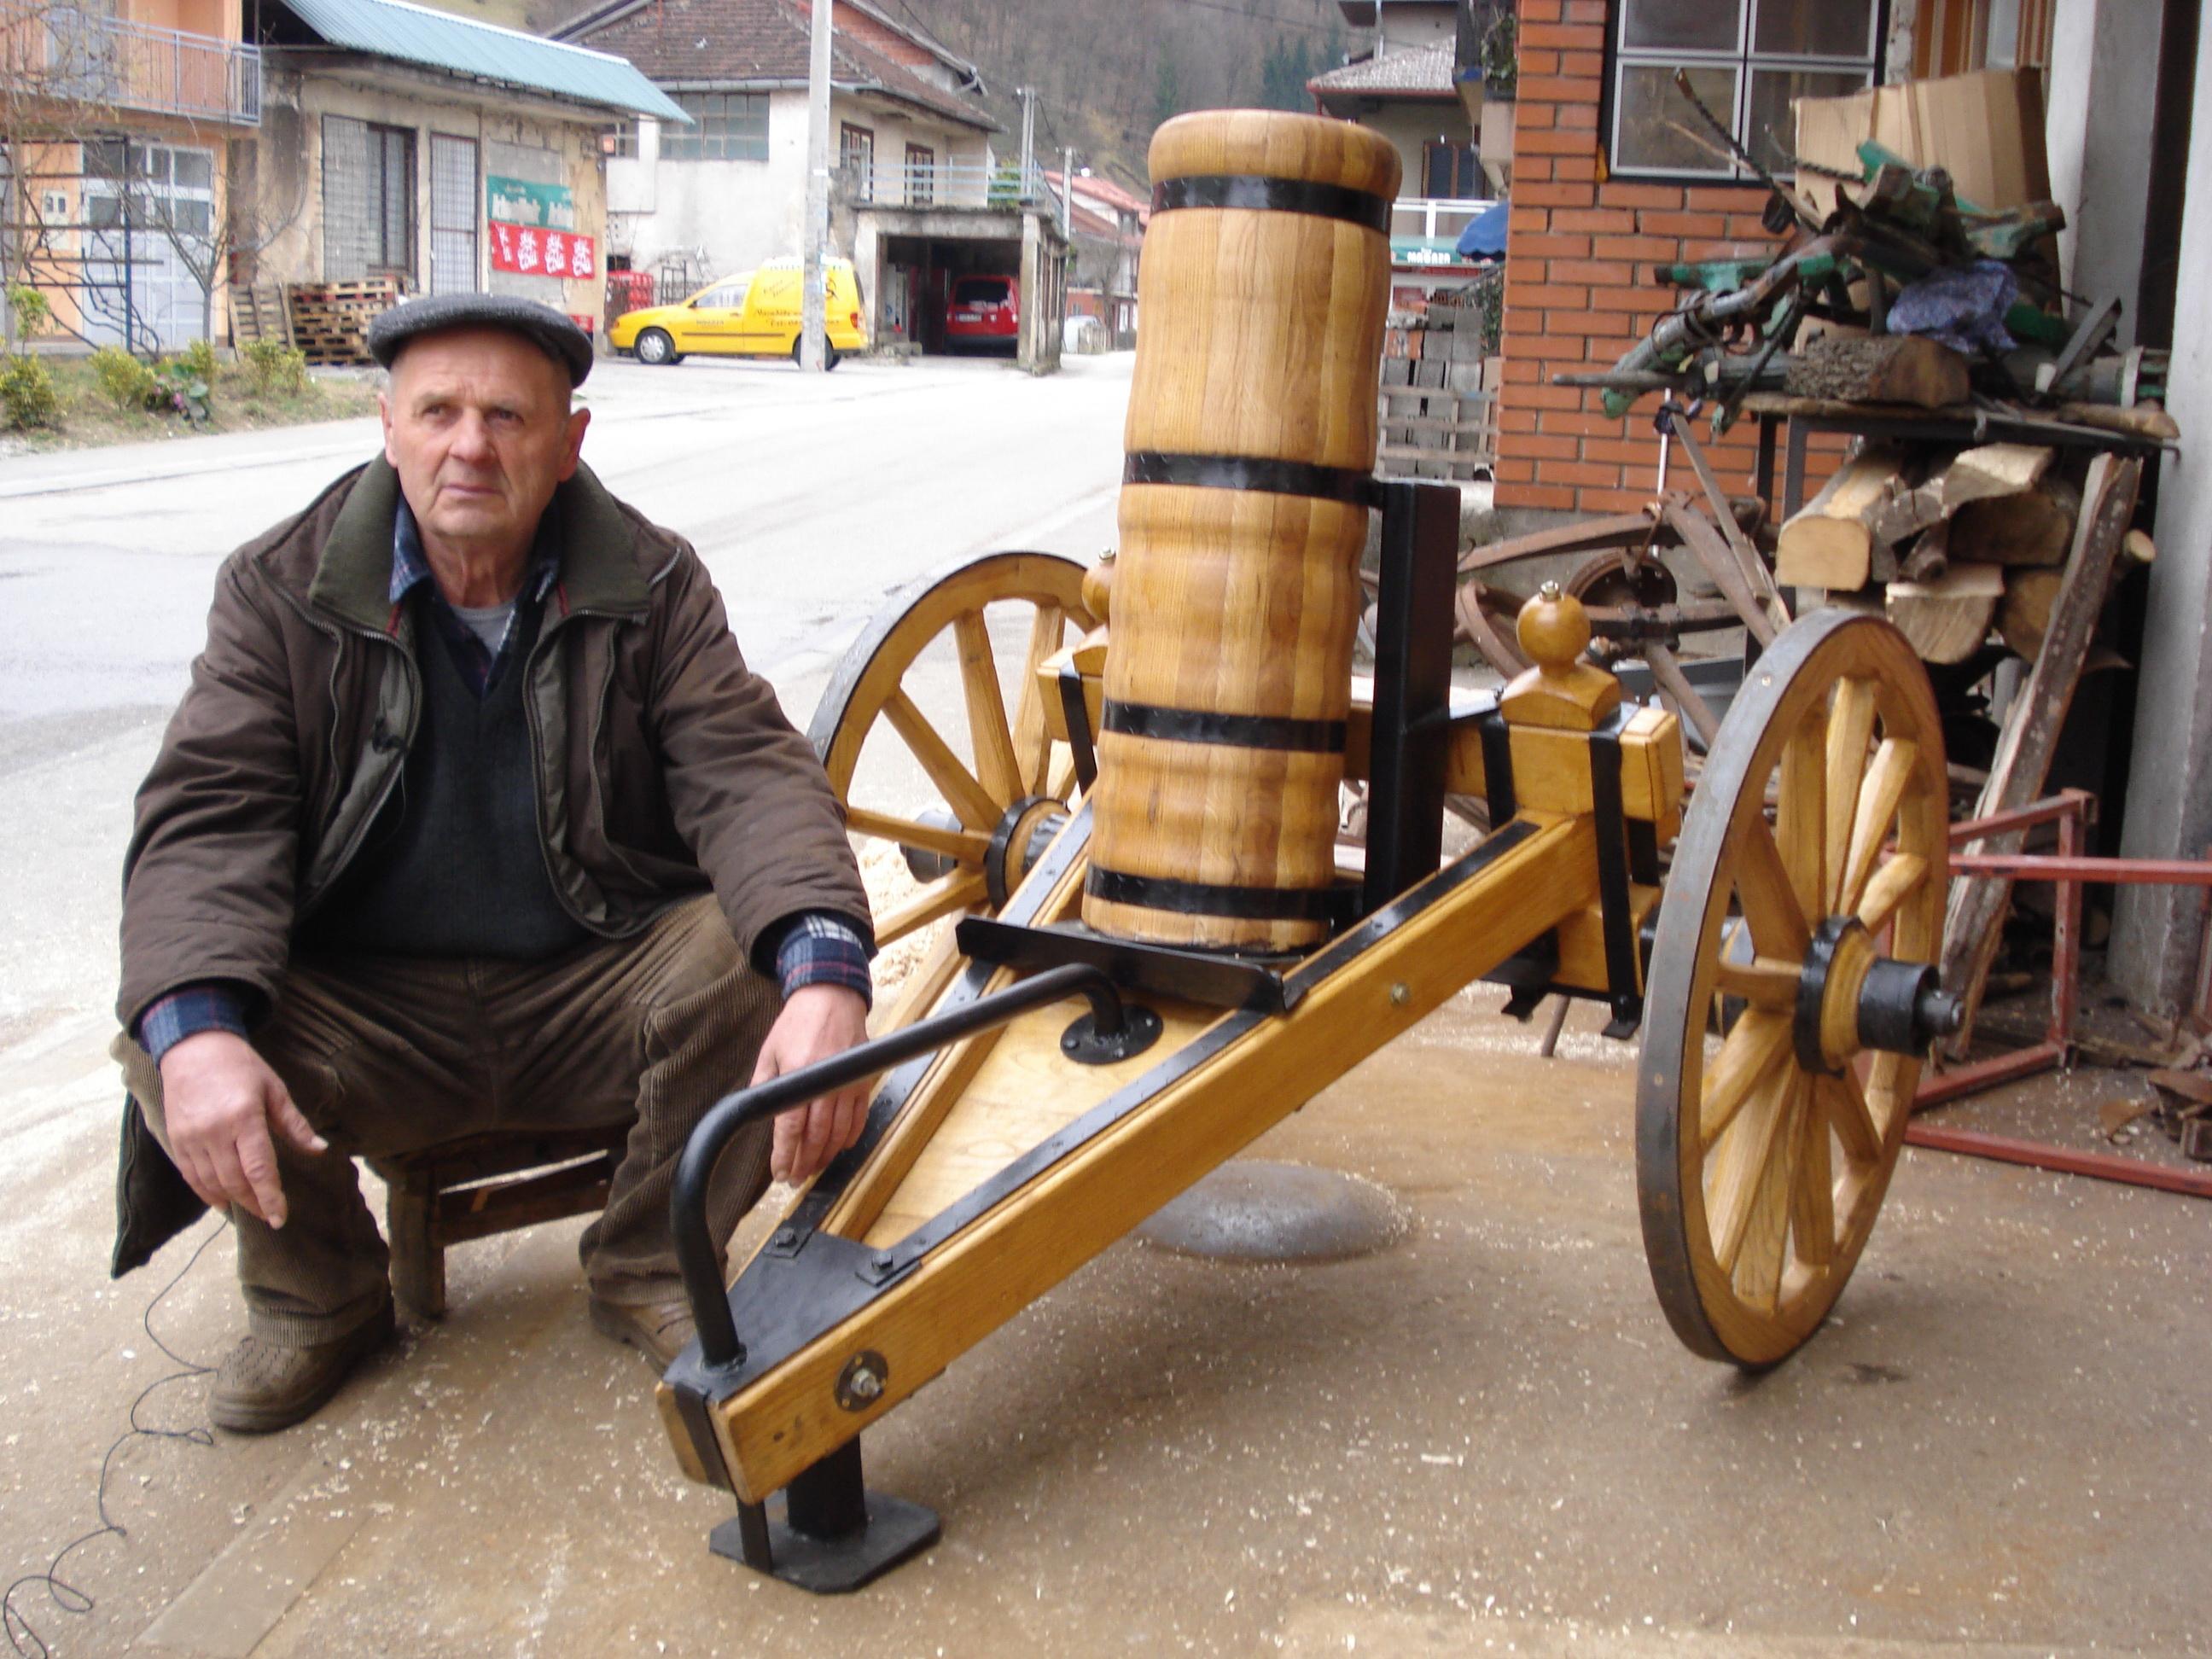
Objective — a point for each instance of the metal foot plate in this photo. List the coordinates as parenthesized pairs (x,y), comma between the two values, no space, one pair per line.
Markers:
(832,1566)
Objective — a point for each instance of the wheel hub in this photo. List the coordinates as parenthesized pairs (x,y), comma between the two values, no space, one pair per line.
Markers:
(1024,829)
(1852,998)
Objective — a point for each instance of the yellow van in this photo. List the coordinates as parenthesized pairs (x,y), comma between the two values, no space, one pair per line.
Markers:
(754,315)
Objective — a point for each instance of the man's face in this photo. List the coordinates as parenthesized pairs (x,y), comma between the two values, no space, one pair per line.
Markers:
(478,425)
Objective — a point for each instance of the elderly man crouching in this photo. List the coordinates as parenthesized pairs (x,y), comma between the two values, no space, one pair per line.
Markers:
(472,817)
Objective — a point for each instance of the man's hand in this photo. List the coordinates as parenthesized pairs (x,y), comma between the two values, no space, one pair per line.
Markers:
(818,1021)
(221,1101)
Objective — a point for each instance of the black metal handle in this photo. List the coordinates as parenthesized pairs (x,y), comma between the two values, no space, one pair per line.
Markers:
(695,1255)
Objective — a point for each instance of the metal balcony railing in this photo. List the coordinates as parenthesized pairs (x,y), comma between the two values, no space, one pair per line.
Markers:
(91,59)
(1425,229)
(947,185)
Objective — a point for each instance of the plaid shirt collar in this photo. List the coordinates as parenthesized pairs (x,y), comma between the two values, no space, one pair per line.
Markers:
(410,569)
(411,566)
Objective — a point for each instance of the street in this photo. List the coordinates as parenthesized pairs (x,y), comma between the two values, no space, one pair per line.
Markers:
(810,500)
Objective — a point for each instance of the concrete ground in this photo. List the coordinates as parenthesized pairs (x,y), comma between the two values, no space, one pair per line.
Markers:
(1483,1437)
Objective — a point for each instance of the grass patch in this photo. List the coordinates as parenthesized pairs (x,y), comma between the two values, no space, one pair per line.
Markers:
(88,412)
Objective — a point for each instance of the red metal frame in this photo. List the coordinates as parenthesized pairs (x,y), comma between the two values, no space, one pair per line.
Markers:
(2067,870)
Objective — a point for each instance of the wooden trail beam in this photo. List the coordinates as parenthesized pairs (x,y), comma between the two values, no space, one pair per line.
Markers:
(1755,574)
(1379,981)
(1699,535)
(1973,924)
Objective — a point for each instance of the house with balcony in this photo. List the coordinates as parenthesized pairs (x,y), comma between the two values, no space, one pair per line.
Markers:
(919,198)
(1418,82)
(1106,245)
(447,155)
(119,121)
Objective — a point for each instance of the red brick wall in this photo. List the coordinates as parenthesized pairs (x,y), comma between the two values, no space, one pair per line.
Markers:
(1578,291)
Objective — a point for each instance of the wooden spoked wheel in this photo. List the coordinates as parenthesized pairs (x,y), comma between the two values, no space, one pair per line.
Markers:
(1813,856)
(991,765)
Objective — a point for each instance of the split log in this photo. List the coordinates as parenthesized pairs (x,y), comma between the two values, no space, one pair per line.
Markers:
(1829,541)
(1976,909)
(2034,527)
(2145,420)
(1930,556)
(1879,368)
(1985,473)
(2024,616)
(1946,619)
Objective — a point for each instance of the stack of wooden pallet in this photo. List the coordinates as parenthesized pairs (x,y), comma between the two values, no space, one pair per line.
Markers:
(1439,396)
(329,320)
(258,311)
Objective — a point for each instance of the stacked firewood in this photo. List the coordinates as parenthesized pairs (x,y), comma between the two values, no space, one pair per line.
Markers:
(1951,543)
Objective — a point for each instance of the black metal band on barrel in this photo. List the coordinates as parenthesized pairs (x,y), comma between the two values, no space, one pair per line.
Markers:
(1259,194)
(1275,477)
(1208,899)
(1147,719)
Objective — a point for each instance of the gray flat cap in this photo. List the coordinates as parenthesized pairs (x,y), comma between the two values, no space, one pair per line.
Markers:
(543,326)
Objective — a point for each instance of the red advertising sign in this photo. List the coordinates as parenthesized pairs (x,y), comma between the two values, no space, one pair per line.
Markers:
(532,251)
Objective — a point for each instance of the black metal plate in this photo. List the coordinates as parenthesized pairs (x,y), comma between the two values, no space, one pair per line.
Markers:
(836,1567)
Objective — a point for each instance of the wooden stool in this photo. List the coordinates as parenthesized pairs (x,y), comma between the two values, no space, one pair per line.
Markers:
(481,1185)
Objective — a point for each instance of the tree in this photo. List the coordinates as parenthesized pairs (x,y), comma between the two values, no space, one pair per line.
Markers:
(1167,91)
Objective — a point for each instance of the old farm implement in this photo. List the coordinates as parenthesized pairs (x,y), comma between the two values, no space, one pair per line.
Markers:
(1163,957)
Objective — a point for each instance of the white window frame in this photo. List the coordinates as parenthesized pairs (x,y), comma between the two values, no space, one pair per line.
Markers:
(1747,63)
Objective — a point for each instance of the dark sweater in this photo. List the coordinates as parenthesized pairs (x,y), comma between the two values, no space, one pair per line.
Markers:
(453,867)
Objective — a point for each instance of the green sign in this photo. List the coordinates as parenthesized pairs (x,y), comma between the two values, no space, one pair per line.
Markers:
(519,202)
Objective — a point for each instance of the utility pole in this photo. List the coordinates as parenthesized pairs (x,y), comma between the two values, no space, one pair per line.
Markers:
(1028,95)
(812,353)
(1067,191)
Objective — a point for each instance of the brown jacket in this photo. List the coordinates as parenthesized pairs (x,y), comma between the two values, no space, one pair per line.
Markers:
(663,764)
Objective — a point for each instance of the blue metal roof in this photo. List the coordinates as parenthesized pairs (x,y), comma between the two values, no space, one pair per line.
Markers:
(416,34)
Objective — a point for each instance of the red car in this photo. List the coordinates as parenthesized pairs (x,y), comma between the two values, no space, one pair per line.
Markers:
(983,312)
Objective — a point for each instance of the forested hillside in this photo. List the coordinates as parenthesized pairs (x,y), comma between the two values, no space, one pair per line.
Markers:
(1108,71)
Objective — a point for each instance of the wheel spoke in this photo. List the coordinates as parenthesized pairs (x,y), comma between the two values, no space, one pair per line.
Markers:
(1762,883)
(1812,1189)
(1844,1106)
(1740,1165)
(1763,983)
(1032,737)
(1851,728)
(993,740)
(941,897)
(1886,776)
(964,845)
(1757,1267)
(1750,1054)
(971,802)
(1801,815)
(1892,883)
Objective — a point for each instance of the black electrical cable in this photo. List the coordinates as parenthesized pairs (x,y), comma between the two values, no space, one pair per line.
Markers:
(23,1635)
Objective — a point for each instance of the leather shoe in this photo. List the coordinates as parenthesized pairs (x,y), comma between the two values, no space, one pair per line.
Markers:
(662,1329)
(264,1386)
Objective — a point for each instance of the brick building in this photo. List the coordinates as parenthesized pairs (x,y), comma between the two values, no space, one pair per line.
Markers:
(1606,184)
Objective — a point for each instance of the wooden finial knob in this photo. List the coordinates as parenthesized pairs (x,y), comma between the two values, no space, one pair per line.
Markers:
(1098,585)
(1553,628)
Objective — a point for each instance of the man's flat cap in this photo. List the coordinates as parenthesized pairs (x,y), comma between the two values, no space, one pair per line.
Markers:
(543,326)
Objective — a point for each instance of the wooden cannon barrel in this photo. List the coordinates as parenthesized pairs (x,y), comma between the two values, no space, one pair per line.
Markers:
(1245,495)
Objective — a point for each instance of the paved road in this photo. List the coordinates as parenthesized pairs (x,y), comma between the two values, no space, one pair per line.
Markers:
(812,500)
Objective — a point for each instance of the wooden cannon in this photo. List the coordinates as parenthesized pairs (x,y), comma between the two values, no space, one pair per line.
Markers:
(1153,968)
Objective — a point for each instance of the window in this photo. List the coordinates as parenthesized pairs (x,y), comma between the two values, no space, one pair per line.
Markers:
(368,200)
(856,158)
(920,175)
(1746,59)
(1450,170)
(619,141)
(725,126)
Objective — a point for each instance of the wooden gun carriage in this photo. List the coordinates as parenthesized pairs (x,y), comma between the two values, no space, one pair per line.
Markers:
(1150,980)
